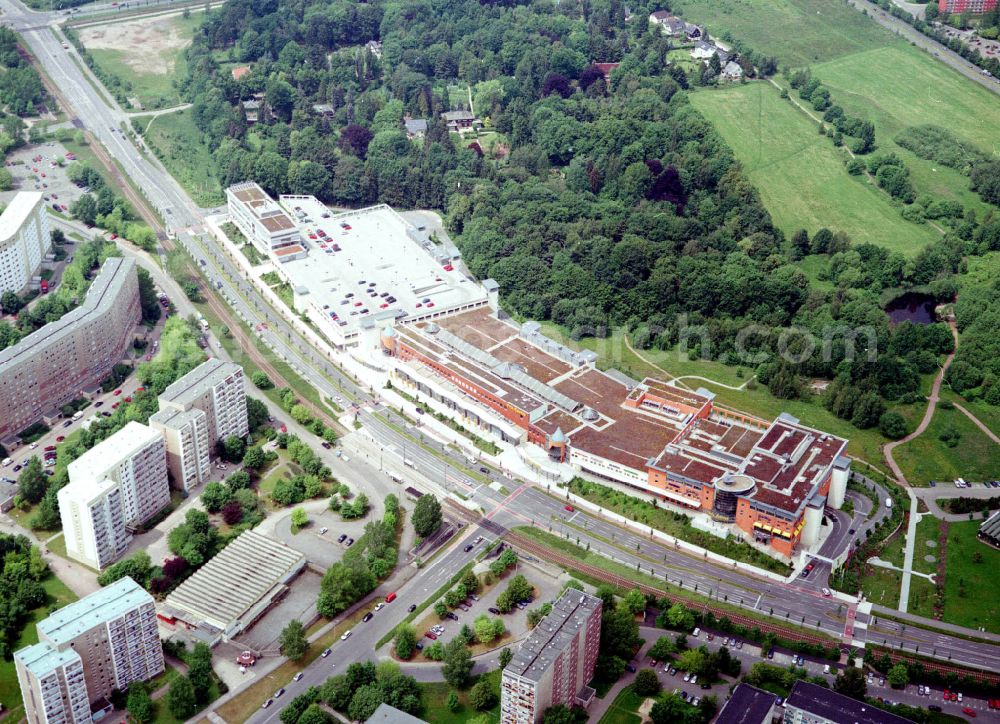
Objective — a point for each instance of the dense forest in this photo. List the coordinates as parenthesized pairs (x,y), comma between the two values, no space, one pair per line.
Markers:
(595,201)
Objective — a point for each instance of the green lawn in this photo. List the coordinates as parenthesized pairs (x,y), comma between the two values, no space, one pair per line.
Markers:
(152,80)
(980,606)
(624,709)
(10,692)
(881,585)
(436,694)
(800,174)
(181,147)
(919,90)
(927,530)
(926,457)
(797,32)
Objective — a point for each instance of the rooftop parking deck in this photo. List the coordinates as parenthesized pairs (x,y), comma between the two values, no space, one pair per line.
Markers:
(369,263)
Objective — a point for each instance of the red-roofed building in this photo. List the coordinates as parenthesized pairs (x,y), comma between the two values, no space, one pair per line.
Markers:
(241,72)
(606,69)
(769,479)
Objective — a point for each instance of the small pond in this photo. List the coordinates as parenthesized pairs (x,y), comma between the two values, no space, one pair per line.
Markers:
(912,306)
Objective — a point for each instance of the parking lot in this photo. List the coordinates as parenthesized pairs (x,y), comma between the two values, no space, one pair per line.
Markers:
(547,588)
(34,168)
(320,548)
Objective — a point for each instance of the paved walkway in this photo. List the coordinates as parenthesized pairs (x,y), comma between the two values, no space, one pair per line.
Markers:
(648,361)
(932,401)
(930,497)
(911,538)
(978,423)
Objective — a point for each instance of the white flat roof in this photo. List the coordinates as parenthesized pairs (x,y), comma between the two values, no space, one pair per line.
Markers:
(17,211)
(379,251)
(94,463)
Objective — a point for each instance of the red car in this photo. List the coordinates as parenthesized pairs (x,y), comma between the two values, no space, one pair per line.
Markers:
(60,438)
(50,448)
(449,267)
(117,392)
(128,399)
(284,428)
(431,635)
(971,713)
(570,508)
(115,406)
(140,389)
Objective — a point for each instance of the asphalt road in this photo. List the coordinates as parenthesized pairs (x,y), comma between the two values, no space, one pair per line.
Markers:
(444,467)
(950,58)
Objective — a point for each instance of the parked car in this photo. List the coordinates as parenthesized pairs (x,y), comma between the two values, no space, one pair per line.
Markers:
(452,615)
(494,610)
(431,635)
(368,617)
(298,676)
(346,635)
(342,537)
(411,608)
(350,542)
(279,692)
(267,703)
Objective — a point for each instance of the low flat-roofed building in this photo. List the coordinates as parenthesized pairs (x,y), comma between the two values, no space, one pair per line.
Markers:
(989,531)
(235,588)
(813,704)
(52,365)
(748,705)
(260,218)
(368,266)
(555,663)
(386,714)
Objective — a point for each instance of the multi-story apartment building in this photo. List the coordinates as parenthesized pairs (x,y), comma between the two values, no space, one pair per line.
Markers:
(24,240)
(52,685)
(961,6)
(263,222)
(217,389)
(555,663)
(88,649)
(114,487)
(188,451)
(52,366)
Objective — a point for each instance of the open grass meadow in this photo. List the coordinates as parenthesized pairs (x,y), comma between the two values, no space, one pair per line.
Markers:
(975,457)
(148,54)
(797,32)
(10,692)
(800,174)
(181,147)
(918,90)
(624,709)
(971,589)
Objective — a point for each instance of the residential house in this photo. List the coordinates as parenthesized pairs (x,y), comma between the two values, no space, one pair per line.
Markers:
(669,24)
(324,110)
(415,127)
(375,48)
(606,70)
(461,121)
(693,32)
(240,72)
(732,71)
(703,50)
(251,109)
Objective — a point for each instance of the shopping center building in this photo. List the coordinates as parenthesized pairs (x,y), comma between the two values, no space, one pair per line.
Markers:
(769,480)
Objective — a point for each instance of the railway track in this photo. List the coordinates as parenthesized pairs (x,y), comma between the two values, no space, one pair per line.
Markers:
(600,574)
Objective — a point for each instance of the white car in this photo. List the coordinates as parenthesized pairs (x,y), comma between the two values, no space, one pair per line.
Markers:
(346,635)
(33,445)
(379,605)
(687,676)
(323,530)
(298,676)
